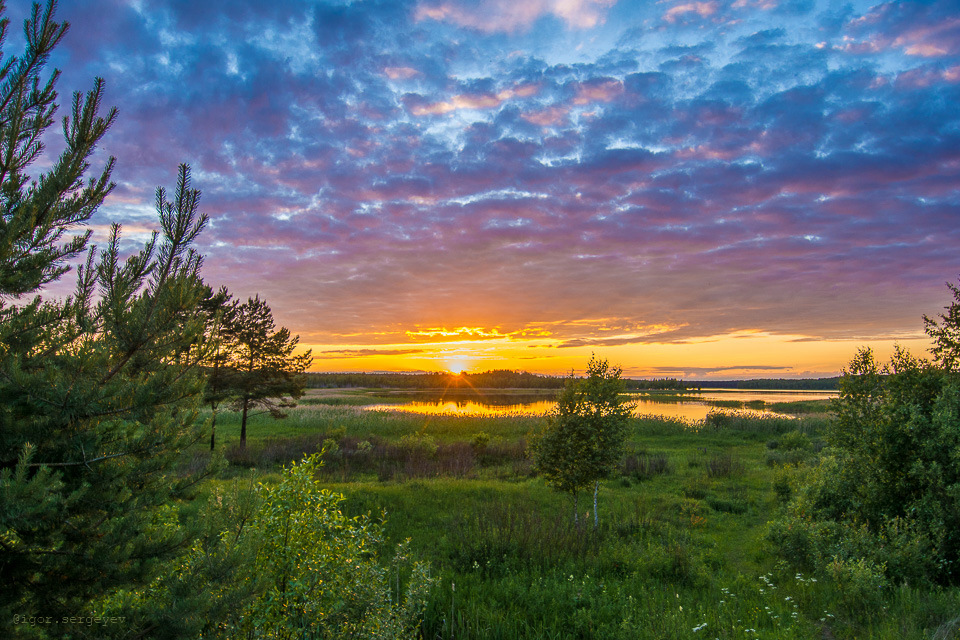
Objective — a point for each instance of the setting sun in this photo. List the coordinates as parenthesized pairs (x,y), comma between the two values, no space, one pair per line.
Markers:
(456,366)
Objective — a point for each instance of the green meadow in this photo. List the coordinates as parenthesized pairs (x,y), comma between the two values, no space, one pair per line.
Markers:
(680,550)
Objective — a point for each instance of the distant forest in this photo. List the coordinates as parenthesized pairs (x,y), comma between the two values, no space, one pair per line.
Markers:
(779,384)
(506,379)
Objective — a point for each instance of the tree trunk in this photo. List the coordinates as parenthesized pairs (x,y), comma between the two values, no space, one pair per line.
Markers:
(596,518)
(576,508)
(213,430)
(243,425)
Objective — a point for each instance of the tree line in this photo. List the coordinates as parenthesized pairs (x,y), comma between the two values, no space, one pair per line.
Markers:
(495,379)
(777,384)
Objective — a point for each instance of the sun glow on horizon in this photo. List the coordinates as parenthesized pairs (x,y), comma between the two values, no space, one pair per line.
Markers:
(739,356)
(457,365)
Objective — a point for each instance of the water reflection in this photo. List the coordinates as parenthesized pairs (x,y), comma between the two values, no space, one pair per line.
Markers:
(764,396)
(468,408)
(687,407)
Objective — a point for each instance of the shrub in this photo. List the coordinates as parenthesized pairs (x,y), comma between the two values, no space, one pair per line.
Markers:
(419,443)
(860,583)
(794,440)
(891,474)
(319,568)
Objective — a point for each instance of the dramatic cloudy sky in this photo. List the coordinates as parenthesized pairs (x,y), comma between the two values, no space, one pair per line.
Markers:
(698,189)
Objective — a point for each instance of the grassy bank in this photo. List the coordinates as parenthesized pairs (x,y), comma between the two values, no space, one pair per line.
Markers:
(679,552)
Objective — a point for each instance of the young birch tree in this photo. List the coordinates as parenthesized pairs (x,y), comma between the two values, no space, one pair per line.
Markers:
(582,441)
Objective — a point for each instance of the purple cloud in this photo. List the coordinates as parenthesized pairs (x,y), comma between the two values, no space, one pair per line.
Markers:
(697,167)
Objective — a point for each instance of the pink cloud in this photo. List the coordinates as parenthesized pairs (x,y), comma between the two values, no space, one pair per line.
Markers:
(764,5)
(930,41)
(463,101)
(707,152)
(511,16)
(923,77)
(908,27)
(603,90)
(474,101)
(400,73)
(925,50)
(702,9)
(549,117)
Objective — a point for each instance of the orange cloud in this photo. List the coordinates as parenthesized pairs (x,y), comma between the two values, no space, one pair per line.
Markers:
(442,334)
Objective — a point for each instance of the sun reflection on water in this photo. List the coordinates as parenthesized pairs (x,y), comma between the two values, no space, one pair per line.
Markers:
(689,409)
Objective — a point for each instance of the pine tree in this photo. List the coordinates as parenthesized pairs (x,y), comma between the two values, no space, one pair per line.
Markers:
(96,410)
(267,373)
(98,392)
(36,216)
(220,311)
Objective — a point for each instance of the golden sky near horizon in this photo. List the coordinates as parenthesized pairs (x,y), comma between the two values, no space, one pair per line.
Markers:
(744,355)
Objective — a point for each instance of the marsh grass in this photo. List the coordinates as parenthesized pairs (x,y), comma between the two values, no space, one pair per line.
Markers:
(643,466)
(679,552)
(723,465)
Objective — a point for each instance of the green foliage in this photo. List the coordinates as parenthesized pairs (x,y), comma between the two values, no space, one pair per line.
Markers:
(279,561)
(946,333)
(419,442)
(36,217)
(748,421)
(260,367)
(319,571)
(888,492)
(98,407)
(98,393)
(219,311)
(583,439)
(505,552)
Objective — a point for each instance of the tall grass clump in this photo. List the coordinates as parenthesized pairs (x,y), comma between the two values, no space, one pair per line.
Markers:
(723,465)
(654,425)
(642,465)
(750,422)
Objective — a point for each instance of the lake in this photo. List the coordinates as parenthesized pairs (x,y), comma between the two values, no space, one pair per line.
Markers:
(690,407)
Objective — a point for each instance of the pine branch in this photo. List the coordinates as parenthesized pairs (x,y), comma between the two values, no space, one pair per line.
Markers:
(78,464)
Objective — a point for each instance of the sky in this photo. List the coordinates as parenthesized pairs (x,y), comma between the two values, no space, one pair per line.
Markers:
(703,190)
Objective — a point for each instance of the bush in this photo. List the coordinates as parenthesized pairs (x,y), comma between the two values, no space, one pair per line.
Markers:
(887,492)
(319,568)
(860,583)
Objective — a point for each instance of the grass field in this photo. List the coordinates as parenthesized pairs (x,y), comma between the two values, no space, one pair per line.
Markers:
(680,551)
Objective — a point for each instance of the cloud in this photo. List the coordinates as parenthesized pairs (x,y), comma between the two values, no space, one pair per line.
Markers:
(698,372)
(929,30)
(371,167)
(338,354)
(442,334)
(507,16)
(686,10)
